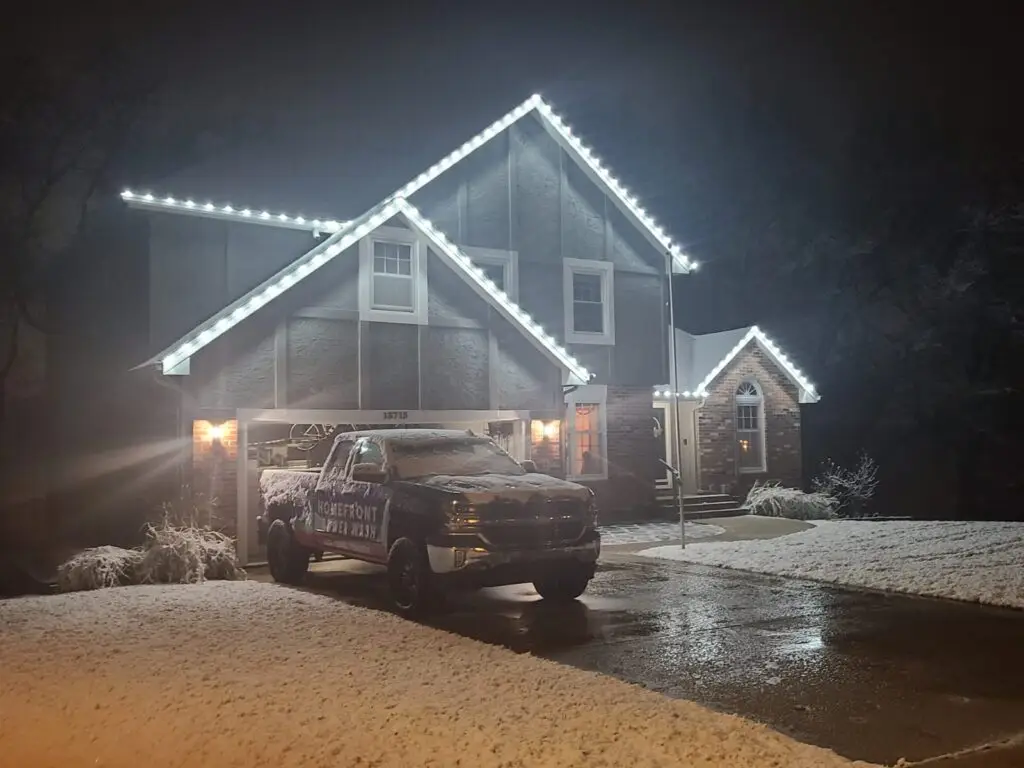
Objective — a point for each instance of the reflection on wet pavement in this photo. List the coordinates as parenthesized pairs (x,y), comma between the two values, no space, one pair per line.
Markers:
(875,677)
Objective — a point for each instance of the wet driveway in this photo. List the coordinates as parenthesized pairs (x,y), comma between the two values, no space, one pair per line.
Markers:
(875,677)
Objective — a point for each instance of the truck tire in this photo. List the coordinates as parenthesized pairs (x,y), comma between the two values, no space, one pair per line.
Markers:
(409,578)
(565,583)
(288,559)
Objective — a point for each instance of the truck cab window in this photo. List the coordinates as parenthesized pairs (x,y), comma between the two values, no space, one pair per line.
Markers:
(368,452)
(334,468)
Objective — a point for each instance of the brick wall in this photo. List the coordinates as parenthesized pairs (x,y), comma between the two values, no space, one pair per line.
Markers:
(717,426)
(628,493)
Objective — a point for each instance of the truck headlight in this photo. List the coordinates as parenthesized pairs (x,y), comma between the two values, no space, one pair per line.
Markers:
(462,516)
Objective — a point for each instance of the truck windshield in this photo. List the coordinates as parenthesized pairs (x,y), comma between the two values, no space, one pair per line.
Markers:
(418,459)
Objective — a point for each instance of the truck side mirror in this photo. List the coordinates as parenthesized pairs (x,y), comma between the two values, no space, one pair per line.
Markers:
(528,466)
(368,473)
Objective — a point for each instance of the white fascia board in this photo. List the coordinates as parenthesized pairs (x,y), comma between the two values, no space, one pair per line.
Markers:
(808,394)
(486,289)
(151,202)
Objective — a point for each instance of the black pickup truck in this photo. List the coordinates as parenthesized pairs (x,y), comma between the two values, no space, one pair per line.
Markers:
(442,509)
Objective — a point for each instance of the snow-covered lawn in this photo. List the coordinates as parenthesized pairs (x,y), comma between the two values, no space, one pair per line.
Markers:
(976,561)
(249,674)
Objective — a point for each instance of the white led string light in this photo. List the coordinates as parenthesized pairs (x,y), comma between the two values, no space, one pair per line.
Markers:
(663,393)
(513,310)
(343,236)
(302,267)
(624,196)
(149,200)
(773,349)
(628,200)
(469,147)
(338,242)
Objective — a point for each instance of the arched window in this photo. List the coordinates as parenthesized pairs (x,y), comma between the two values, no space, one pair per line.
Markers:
(750,448)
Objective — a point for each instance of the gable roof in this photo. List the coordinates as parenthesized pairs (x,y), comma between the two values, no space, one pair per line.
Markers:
(701,358)
(344,234)
(348,234)
(623,199)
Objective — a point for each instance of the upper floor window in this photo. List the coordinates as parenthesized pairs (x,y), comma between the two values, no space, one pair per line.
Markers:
(500,267)
(589,292)
(393,277)
(392,286)
(750,443)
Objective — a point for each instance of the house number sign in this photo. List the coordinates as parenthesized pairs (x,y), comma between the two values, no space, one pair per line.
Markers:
(396,415)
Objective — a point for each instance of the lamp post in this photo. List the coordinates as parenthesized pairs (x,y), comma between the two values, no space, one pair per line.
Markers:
(677,448)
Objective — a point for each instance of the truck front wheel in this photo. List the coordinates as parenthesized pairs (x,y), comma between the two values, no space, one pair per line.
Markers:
(288,559)
(564,583)
(409,578)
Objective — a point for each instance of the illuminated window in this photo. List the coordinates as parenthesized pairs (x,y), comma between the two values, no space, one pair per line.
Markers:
(589,296)
(587,445)
(750,453)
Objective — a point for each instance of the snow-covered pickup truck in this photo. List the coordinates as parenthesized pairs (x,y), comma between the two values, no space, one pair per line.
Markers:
(441,509)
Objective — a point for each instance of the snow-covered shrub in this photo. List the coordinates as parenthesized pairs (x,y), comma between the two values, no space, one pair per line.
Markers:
(851,488)
(99,567)
(772,500)
(187,555)
(171,555)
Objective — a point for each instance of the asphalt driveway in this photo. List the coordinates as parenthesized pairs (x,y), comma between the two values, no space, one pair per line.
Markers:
(873,676)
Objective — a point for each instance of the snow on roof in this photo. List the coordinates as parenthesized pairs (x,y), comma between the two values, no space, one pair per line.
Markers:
(701,358)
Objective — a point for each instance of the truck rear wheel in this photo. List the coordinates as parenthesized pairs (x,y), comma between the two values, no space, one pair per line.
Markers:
(409,578)
(565,583)
(288,559)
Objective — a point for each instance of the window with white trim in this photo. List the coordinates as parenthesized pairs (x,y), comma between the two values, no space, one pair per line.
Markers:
(587,433)
(589,292)
(392,284)
(500,267)
(750,445)
(392,277)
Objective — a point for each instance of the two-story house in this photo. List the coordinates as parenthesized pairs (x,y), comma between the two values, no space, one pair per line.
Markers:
(514,288)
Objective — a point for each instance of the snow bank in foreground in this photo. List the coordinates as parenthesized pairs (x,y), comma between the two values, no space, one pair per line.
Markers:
(249,674)
(975,561)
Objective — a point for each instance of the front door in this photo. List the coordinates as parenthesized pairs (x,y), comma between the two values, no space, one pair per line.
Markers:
(663,426)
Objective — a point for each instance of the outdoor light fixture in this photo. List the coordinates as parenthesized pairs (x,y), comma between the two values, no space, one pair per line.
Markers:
(541,430)
(215,433)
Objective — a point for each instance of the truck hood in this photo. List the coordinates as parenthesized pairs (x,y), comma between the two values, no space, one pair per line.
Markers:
(482,488)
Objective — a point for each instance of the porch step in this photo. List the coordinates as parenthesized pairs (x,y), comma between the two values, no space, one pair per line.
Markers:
(702,505)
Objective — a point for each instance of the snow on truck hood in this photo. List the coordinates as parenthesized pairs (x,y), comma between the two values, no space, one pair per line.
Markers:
(480,488)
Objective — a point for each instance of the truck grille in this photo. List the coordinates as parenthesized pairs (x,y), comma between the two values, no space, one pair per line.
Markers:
(538,523)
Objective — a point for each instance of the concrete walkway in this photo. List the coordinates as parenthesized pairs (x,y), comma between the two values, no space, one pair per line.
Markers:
(743,528)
